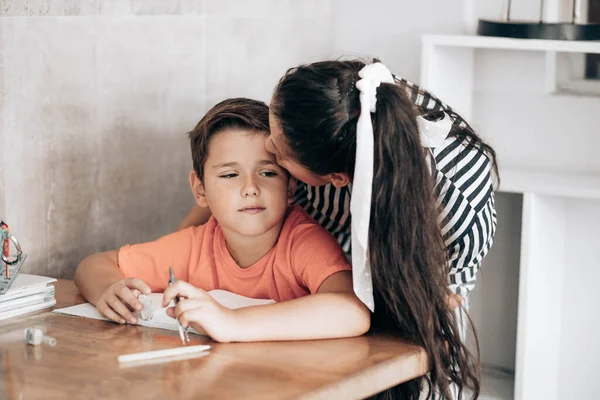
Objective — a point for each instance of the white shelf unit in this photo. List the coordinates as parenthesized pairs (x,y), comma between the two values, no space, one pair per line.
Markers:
(456,53)
(489,42)
(554,230)
(561,184)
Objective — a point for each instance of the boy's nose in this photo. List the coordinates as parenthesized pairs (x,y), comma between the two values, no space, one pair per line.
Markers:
(250,188)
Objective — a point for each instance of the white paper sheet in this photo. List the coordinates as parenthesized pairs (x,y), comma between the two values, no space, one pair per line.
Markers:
(160,318)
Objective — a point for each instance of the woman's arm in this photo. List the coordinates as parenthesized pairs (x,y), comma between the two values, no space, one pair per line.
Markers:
(197,216)
(333,312)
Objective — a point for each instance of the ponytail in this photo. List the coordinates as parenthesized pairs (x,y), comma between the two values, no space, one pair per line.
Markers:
(407,252)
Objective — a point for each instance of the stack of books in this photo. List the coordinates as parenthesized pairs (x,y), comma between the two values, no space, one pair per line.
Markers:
(26,294)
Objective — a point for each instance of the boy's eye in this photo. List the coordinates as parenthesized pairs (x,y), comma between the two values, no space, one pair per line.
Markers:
(228,176)
(268,174)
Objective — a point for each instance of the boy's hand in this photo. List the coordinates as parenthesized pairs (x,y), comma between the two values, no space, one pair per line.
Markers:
(120,298)
(198,309)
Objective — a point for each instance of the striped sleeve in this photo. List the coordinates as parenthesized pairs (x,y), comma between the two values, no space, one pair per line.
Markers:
(465,196)
(330,206)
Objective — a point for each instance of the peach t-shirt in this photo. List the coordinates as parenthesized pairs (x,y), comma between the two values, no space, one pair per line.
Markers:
(303,257)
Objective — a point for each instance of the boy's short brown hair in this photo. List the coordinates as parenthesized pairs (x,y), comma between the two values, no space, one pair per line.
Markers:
(237,113)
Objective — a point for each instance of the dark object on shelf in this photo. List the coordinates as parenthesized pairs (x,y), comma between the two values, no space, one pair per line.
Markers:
(573,30)
(539,30)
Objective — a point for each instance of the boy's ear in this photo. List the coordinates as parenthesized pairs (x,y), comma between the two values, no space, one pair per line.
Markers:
(198,189)
(291,190)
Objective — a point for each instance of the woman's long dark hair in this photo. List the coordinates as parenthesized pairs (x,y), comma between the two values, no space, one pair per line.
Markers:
(318,106)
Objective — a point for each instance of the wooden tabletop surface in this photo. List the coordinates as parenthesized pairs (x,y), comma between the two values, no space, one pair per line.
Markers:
(83,364)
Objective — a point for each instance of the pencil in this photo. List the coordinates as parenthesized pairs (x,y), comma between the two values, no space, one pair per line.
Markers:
(183,333)
(152,355)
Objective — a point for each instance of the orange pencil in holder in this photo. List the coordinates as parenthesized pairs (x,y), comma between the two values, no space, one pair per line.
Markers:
(11,257)
(6,246)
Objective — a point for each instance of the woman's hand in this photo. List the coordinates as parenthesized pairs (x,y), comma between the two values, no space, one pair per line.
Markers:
(120,298)
(200,311)
(454,300)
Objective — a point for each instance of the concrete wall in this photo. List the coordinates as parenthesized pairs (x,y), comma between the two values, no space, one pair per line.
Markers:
(97,97)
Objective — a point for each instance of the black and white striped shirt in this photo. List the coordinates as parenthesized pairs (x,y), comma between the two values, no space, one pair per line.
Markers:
(465,193)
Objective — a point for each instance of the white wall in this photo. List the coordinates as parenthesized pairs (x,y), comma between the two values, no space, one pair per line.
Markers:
(528,127)
(391,30)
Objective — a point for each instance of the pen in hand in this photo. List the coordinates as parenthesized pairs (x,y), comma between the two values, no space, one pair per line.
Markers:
(183,333)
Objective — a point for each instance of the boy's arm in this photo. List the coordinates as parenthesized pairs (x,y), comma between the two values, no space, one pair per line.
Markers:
(96,273)
(333,312)
(196,217)
(101,282)
(108,279)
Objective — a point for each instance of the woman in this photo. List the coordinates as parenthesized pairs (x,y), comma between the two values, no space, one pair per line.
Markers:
(417,182)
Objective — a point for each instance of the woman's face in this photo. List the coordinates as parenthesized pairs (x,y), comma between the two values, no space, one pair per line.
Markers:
(275,144)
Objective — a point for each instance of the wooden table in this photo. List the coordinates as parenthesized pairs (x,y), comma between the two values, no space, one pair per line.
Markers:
(83,364)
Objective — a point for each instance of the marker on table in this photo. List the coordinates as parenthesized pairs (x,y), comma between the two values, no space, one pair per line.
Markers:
(183,333)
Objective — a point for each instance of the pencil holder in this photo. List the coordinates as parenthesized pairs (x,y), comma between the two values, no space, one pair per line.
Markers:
(11,257)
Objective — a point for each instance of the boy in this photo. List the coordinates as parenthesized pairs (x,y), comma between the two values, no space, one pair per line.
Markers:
(253,245)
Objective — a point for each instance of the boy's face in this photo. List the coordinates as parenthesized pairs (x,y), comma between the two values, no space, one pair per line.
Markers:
(243,186)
